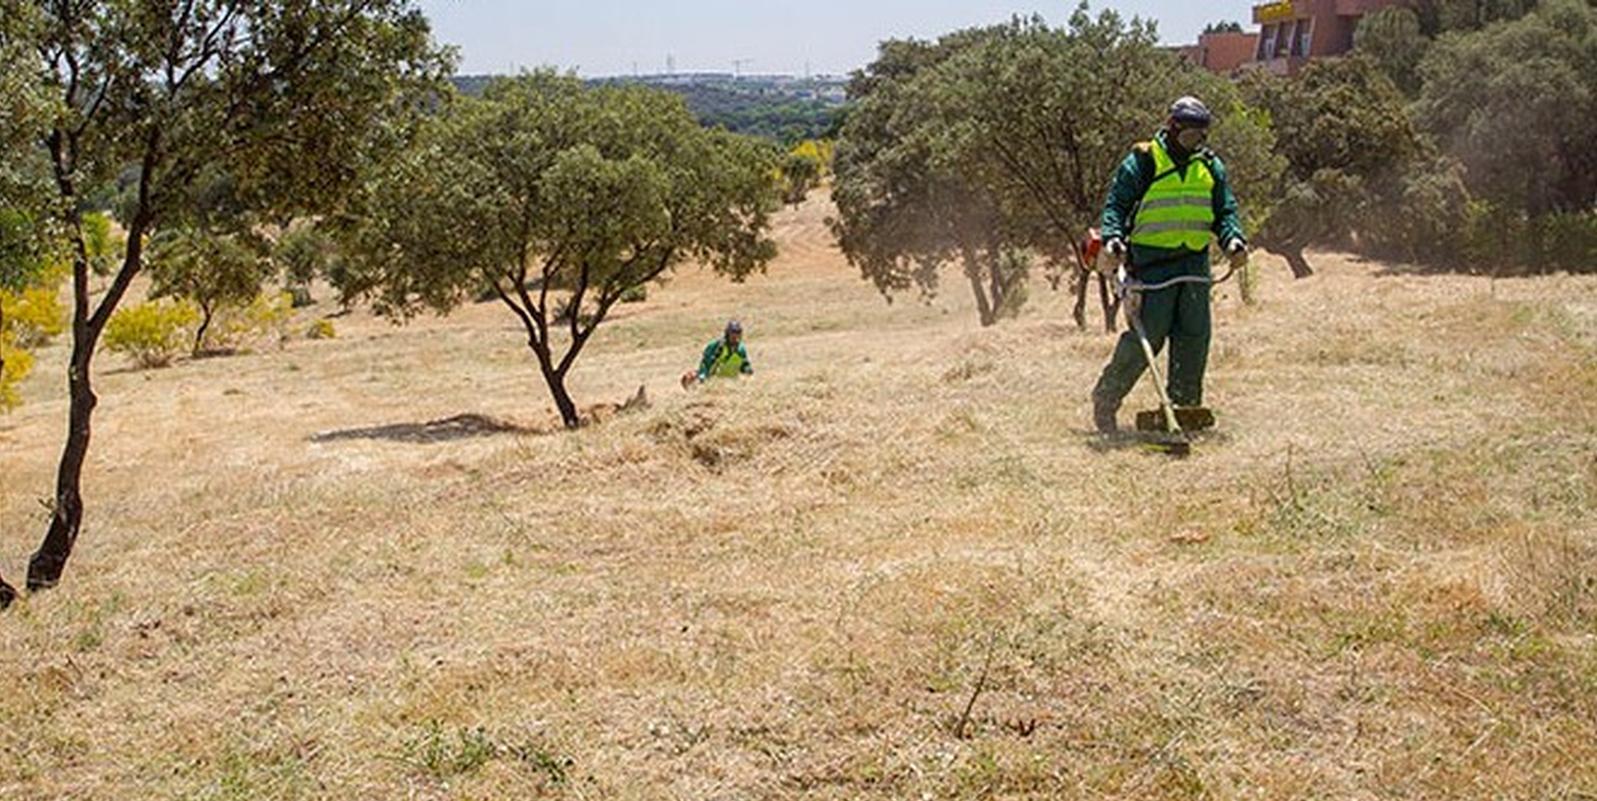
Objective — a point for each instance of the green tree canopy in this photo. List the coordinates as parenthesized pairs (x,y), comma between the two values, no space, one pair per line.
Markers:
(1393,40)
(904,212)
(1441,16)
(556,195)
(1353,159)
(284,98)
(1515,102)
(212,269)
(1004,138)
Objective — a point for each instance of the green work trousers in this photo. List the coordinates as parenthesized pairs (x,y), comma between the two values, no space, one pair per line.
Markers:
(1179,314)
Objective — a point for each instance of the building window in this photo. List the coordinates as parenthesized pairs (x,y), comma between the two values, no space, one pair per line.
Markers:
(1305,37)
(1283,40)
(1267,42)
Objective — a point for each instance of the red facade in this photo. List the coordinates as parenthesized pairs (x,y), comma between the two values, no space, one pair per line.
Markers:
(1222,53)
(1291,32)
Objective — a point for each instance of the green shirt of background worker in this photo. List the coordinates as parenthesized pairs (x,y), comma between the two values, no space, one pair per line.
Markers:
(725,357)
(1170,196)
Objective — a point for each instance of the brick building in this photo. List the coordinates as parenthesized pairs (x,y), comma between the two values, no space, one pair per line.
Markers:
(1222,53)
(1291,32)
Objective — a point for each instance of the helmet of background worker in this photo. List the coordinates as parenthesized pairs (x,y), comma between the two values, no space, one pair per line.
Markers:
(734,332)
(1189,123)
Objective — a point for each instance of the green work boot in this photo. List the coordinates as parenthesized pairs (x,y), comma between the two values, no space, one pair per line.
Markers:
(1103,416)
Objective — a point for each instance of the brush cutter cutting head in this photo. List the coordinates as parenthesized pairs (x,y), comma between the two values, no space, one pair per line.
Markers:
(1177,447)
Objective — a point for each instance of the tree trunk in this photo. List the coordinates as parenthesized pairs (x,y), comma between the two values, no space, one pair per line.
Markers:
(1079,286)
(985,309)
(1294,259)
(1111,304)
(205,323)
(555,378)
(563,402)
(44,569)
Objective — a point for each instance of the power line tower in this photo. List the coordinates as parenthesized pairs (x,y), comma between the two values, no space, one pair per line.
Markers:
(670,64)
(737,67)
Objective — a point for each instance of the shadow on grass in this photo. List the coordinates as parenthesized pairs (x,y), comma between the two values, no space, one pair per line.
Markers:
(451,429)
(1150,443)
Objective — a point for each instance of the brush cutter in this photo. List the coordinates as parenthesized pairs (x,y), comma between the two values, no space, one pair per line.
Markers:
(1171,423)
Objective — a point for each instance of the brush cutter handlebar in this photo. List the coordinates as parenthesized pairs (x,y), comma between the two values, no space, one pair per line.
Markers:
(1127,285)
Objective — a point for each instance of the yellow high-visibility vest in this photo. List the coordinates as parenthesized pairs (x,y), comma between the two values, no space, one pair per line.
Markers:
(1178,210)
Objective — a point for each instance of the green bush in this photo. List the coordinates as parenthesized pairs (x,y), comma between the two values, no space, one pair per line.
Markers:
(322,329)
(153,333)
(1498,240)
(33,316)
(17,364)
(264,321)
(1013,267)
(101,242)
(637,294)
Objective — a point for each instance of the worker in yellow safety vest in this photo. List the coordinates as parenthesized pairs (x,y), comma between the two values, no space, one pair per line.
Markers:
(1170,198)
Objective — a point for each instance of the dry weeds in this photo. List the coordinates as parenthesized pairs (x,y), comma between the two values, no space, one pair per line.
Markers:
(1376,581)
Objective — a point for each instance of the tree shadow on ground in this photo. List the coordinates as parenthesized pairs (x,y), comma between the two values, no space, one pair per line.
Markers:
(450,429)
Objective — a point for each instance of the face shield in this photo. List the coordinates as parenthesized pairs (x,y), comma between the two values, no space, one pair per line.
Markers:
(1191,139)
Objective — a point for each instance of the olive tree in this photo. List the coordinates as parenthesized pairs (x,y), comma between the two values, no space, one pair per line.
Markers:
(1353,157)
(905,209)
(24,218)
(1514,103)
(1392,39)
(557,197)
(283,97)
(1043,116)
(801,172)
(1003,139)
(214,270)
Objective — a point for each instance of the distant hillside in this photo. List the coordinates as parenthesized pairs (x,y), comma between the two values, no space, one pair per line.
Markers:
(782,108)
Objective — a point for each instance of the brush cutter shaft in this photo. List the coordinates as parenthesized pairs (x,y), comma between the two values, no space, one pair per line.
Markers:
(1158,380)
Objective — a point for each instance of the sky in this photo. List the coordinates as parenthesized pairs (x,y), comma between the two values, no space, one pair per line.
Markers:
(614,37)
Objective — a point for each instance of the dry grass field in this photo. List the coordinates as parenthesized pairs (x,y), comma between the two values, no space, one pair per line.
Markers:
(1377,580)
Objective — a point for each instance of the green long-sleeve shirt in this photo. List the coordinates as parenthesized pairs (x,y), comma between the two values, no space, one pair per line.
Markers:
(1131,182)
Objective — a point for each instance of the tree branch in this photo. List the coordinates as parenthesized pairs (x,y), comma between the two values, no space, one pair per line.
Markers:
(133,255)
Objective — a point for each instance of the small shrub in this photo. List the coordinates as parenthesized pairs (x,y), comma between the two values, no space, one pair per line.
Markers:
(441,755)
(1013,268)
(301,293)
(153,333)
(18,363)
(34,316)
(1499,241)
(101,242)
(637,294)
(264,321)
(322,329)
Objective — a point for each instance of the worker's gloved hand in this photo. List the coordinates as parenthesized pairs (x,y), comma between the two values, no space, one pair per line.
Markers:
(1237,253)
(1112,256)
